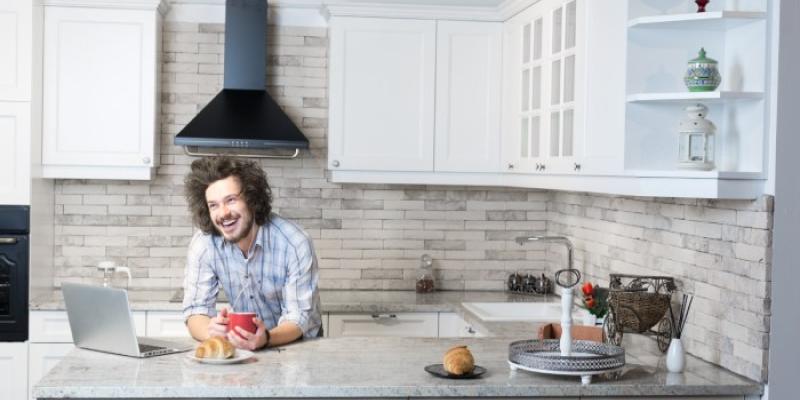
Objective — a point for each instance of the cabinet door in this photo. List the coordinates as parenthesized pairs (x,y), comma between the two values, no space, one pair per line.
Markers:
(388,324)
(99,113)
(14,367)
(451,325)
(16,45)
(53,326)
(166,324)
(42,357)
(15,153)
(545,88)
(381,94)
(468,80)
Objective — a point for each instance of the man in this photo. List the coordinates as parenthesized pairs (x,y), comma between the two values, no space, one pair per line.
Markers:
(265,263)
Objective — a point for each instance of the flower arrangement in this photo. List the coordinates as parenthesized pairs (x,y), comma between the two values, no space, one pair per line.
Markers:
(595,299)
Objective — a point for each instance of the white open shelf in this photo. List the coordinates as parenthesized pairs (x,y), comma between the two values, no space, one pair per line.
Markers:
(707,20)
(717,95)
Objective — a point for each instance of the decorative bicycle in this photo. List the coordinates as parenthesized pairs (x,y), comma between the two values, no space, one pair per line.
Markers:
(637,303)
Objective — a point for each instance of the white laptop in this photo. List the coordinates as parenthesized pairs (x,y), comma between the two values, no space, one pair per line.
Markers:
(101,320)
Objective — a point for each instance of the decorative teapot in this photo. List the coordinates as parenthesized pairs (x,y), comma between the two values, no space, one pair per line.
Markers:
(515,282)
(529,284)
(543,285)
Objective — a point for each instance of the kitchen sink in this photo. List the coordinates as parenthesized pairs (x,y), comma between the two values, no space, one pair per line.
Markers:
(518,311)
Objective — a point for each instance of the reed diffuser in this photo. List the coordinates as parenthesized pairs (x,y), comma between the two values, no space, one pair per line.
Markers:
(676,355)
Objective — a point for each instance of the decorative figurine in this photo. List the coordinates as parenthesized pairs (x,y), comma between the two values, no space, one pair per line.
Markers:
(702,74)
(701,5)
(696,140)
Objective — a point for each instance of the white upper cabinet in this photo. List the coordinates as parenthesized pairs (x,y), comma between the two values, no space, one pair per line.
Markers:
(100,92)
(590,95)
(15,152)
(16,72)
(468,96)
(545,87)
(16,42)
(381,94)
(414,95)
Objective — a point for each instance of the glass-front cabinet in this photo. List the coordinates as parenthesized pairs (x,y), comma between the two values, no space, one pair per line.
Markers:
(544,85)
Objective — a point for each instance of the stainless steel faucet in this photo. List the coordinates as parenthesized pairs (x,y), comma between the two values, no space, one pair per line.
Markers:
(559,239)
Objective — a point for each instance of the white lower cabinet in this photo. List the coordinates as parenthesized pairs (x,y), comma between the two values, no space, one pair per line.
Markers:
(53,326)
(384,324)
(451,325)
(49,340)
(42,357)
(166,324)
(14,377)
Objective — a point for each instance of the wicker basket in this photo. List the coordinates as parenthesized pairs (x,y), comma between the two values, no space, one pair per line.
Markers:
(641,302)
(638,311)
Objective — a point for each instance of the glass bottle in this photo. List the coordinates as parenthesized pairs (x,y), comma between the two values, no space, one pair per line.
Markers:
(425,283)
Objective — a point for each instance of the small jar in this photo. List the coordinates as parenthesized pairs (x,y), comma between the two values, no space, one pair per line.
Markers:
(425,282)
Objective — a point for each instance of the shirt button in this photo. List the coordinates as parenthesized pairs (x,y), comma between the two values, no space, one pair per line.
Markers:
(251,297)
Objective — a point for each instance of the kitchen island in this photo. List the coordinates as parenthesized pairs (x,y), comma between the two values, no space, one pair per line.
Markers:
(360,367)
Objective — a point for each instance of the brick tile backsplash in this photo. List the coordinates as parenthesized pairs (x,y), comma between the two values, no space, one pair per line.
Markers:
(372,236)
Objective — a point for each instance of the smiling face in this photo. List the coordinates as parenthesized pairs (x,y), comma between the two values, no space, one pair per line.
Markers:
(228,210)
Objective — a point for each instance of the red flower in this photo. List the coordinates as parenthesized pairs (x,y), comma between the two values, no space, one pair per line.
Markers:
(587,289)
(590,302)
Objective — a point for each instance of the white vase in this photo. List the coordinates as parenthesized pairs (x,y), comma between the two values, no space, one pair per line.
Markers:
(676,356)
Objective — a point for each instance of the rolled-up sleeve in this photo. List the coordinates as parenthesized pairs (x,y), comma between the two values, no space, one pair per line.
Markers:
(200,283)
(301,298)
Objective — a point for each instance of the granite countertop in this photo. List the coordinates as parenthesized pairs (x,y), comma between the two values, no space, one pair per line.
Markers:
(371,367)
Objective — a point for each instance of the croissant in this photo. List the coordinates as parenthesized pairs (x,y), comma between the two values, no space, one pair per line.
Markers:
(458,361)
(215,347)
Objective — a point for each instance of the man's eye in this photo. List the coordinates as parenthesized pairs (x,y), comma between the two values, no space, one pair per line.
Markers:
(212,206)
(232,200)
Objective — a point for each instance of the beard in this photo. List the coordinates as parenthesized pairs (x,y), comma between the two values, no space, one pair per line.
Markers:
(237,230)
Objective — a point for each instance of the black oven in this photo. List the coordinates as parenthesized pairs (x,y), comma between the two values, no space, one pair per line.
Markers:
(14,234)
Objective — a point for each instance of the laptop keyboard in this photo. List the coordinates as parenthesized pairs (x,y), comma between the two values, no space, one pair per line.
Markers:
(144,348)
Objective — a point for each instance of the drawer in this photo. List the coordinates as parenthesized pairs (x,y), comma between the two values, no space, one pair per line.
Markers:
(451,325)
(53,326)
(166,324)
(385,324)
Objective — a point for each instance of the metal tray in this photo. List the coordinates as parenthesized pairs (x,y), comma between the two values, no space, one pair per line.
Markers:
(544,356)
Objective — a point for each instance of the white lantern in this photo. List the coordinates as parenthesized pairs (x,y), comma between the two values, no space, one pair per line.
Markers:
(696,140)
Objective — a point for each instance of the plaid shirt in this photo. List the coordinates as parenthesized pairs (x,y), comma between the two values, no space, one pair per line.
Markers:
(277,280)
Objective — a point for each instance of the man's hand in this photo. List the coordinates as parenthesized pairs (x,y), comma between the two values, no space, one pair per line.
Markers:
(251,341)
(218,325)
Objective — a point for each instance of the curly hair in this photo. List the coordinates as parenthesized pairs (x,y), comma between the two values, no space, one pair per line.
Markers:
(207,170)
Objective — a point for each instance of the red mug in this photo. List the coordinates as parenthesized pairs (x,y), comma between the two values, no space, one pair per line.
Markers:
(242,319)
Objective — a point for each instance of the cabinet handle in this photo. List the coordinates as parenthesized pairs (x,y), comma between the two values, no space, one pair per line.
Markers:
(8,240)
(335,163)
(538,166)
(510,166)
(145,160)
(577,167)
(470,330)
(544,167)
(384,316)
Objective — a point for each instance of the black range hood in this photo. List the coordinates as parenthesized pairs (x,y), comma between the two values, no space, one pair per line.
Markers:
(243,114)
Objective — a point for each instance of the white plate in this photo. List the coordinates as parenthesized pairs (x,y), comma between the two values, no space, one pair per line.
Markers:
(240,356)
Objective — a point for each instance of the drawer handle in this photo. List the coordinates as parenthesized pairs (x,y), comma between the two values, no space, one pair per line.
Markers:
(8,240)
(470,330)
(384,316)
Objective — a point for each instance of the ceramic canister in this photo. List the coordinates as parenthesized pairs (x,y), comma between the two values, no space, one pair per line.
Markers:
(702,74)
